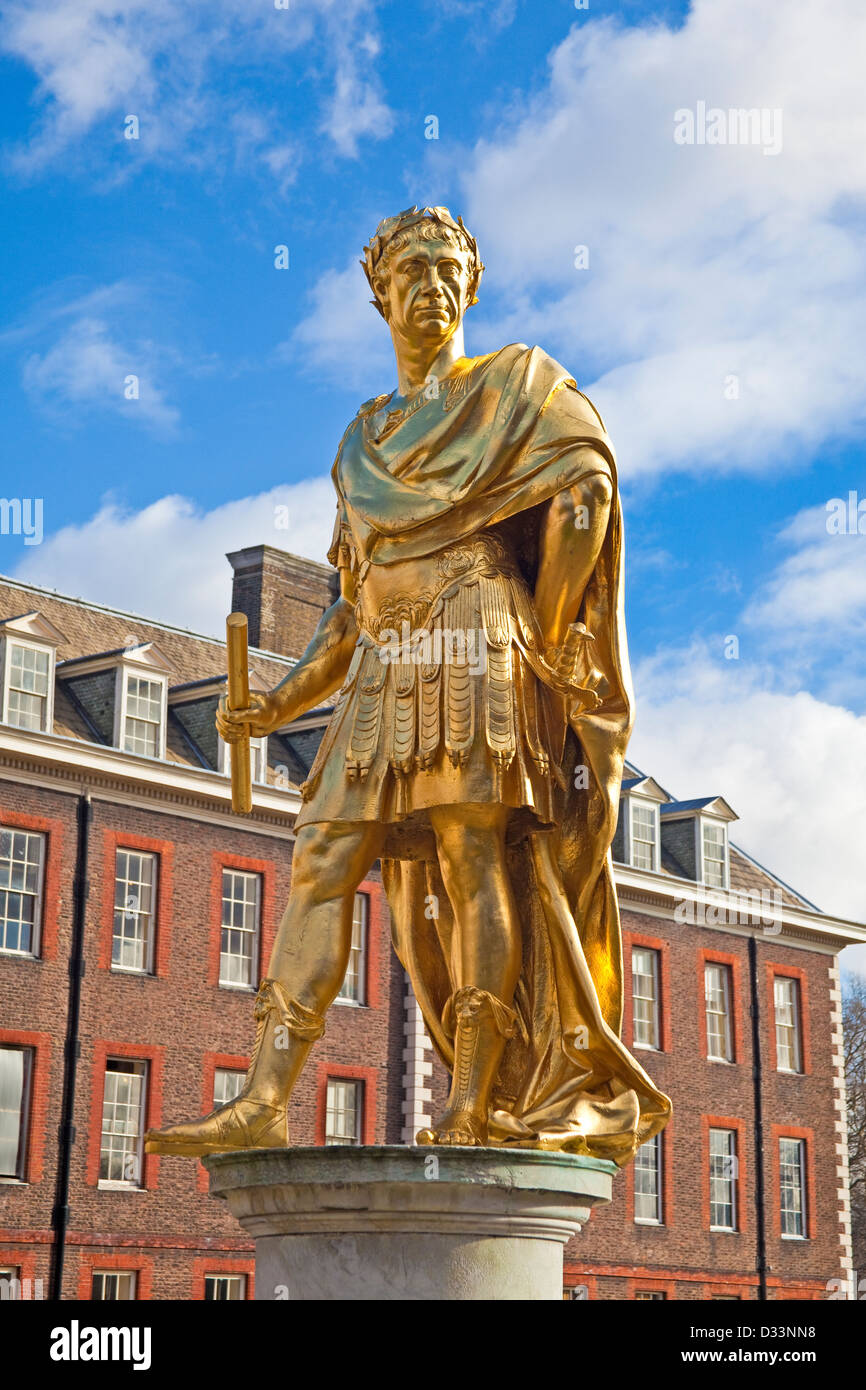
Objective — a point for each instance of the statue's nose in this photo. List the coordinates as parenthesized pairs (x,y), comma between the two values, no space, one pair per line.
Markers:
(431,280)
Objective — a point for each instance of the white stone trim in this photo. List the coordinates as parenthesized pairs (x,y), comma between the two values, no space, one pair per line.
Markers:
(416,1068)
(55,757)
(266,818)
(840,1100)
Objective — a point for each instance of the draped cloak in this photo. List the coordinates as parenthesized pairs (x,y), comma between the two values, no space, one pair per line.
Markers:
(501,439)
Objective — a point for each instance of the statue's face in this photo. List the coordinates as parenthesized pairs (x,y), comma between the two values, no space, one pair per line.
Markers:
(426,290)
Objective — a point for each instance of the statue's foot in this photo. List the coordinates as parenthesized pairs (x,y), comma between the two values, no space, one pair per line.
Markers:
(241,1124)
(456,1127)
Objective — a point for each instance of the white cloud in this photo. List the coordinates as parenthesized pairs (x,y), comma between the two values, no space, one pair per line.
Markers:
(790,765)
(821,586)
(356,109)
(80,347)
(167,561)
(86,369)
(343,334)
(706,262)
(181,69)
(493,18)
(808,617)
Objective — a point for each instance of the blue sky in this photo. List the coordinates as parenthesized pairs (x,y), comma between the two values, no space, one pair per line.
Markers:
(718,324)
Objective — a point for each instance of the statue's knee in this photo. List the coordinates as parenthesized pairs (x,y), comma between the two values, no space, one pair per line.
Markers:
(310,862)
(468,862)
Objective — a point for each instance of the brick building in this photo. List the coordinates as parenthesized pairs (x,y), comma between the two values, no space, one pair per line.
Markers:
(137,912)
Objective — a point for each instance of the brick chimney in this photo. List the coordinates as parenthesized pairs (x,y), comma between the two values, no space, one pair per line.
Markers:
(283,596)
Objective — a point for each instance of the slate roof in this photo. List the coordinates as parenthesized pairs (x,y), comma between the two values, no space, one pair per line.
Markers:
(92,630)
(697,804)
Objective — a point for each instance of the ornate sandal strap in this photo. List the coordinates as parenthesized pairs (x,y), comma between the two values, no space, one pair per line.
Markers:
(470,1005)
(302,1022)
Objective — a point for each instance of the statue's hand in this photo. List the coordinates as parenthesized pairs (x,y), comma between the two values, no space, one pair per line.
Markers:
(572,664)
(259,718)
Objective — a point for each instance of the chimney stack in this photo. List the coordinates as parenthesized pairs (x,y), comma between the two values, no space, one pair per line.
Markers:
(283,596)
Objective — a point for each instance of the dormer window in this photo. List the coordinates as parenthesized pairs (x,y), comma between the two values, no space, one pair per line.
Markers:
(28,644)
(122,695)
(695,839)
(644,834)
(142,719)
(28,686)
(637,840)
(714,847)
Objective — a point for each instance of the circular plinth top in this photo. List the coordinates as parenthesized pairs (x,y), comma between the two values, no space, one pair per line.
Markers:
(336,1187)
(529,1170)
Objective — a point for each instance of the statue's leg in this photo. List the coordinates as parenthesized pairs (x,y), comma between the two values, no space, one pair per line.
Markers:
(486,957)
(307,967)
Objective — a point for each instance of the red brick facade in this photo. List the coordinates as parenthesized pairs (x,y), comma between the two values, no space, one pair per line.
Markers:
(182,1024)
(690,1259)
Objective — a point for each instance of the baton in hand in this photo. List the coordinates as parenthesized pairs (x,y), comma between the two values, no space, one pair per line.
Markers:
(239,698)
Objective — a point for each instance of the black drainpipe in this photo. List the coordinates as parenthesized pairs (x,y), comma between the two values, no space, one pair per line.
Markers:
(760,1212)
(72,1046)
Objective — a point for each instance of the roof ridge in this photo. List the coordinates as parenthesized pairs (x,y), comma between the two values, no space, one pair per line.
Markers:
(137,617)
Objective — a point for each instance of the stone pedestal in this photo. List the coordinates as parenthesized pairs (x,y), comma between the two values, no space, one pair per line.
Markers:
(409,1223)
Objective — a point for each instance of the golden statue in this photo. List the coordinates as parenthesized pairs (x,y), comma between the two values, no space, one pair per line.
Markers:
(477,740)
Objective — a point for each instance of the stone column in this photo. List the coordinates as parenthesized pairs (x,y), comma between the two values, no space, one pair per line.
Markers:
(396,1223)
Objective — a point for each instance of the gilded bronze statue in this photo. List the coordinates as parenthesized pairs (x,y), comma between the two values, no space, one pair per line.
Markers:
(476,746)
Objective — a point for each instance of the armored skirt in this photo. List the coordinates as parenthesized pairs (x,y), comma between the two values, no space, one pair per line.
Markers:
(441,704)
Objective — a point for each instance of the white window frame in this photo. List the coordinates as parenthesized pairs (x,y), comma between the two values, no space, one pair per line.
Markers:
(258,759)
(654,1144)
(39,896)
(331,1136)
(732,1179)
(150,941)
(657,1012)
(130,1274)
(226,1098)
(712,821)
(28,1056)
(230,1278)
(727,991)
(142,1069)
(635,802)
(12,639)
(126,670)
(358,953)
(256,935)
(801,1167)
(797,1002)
